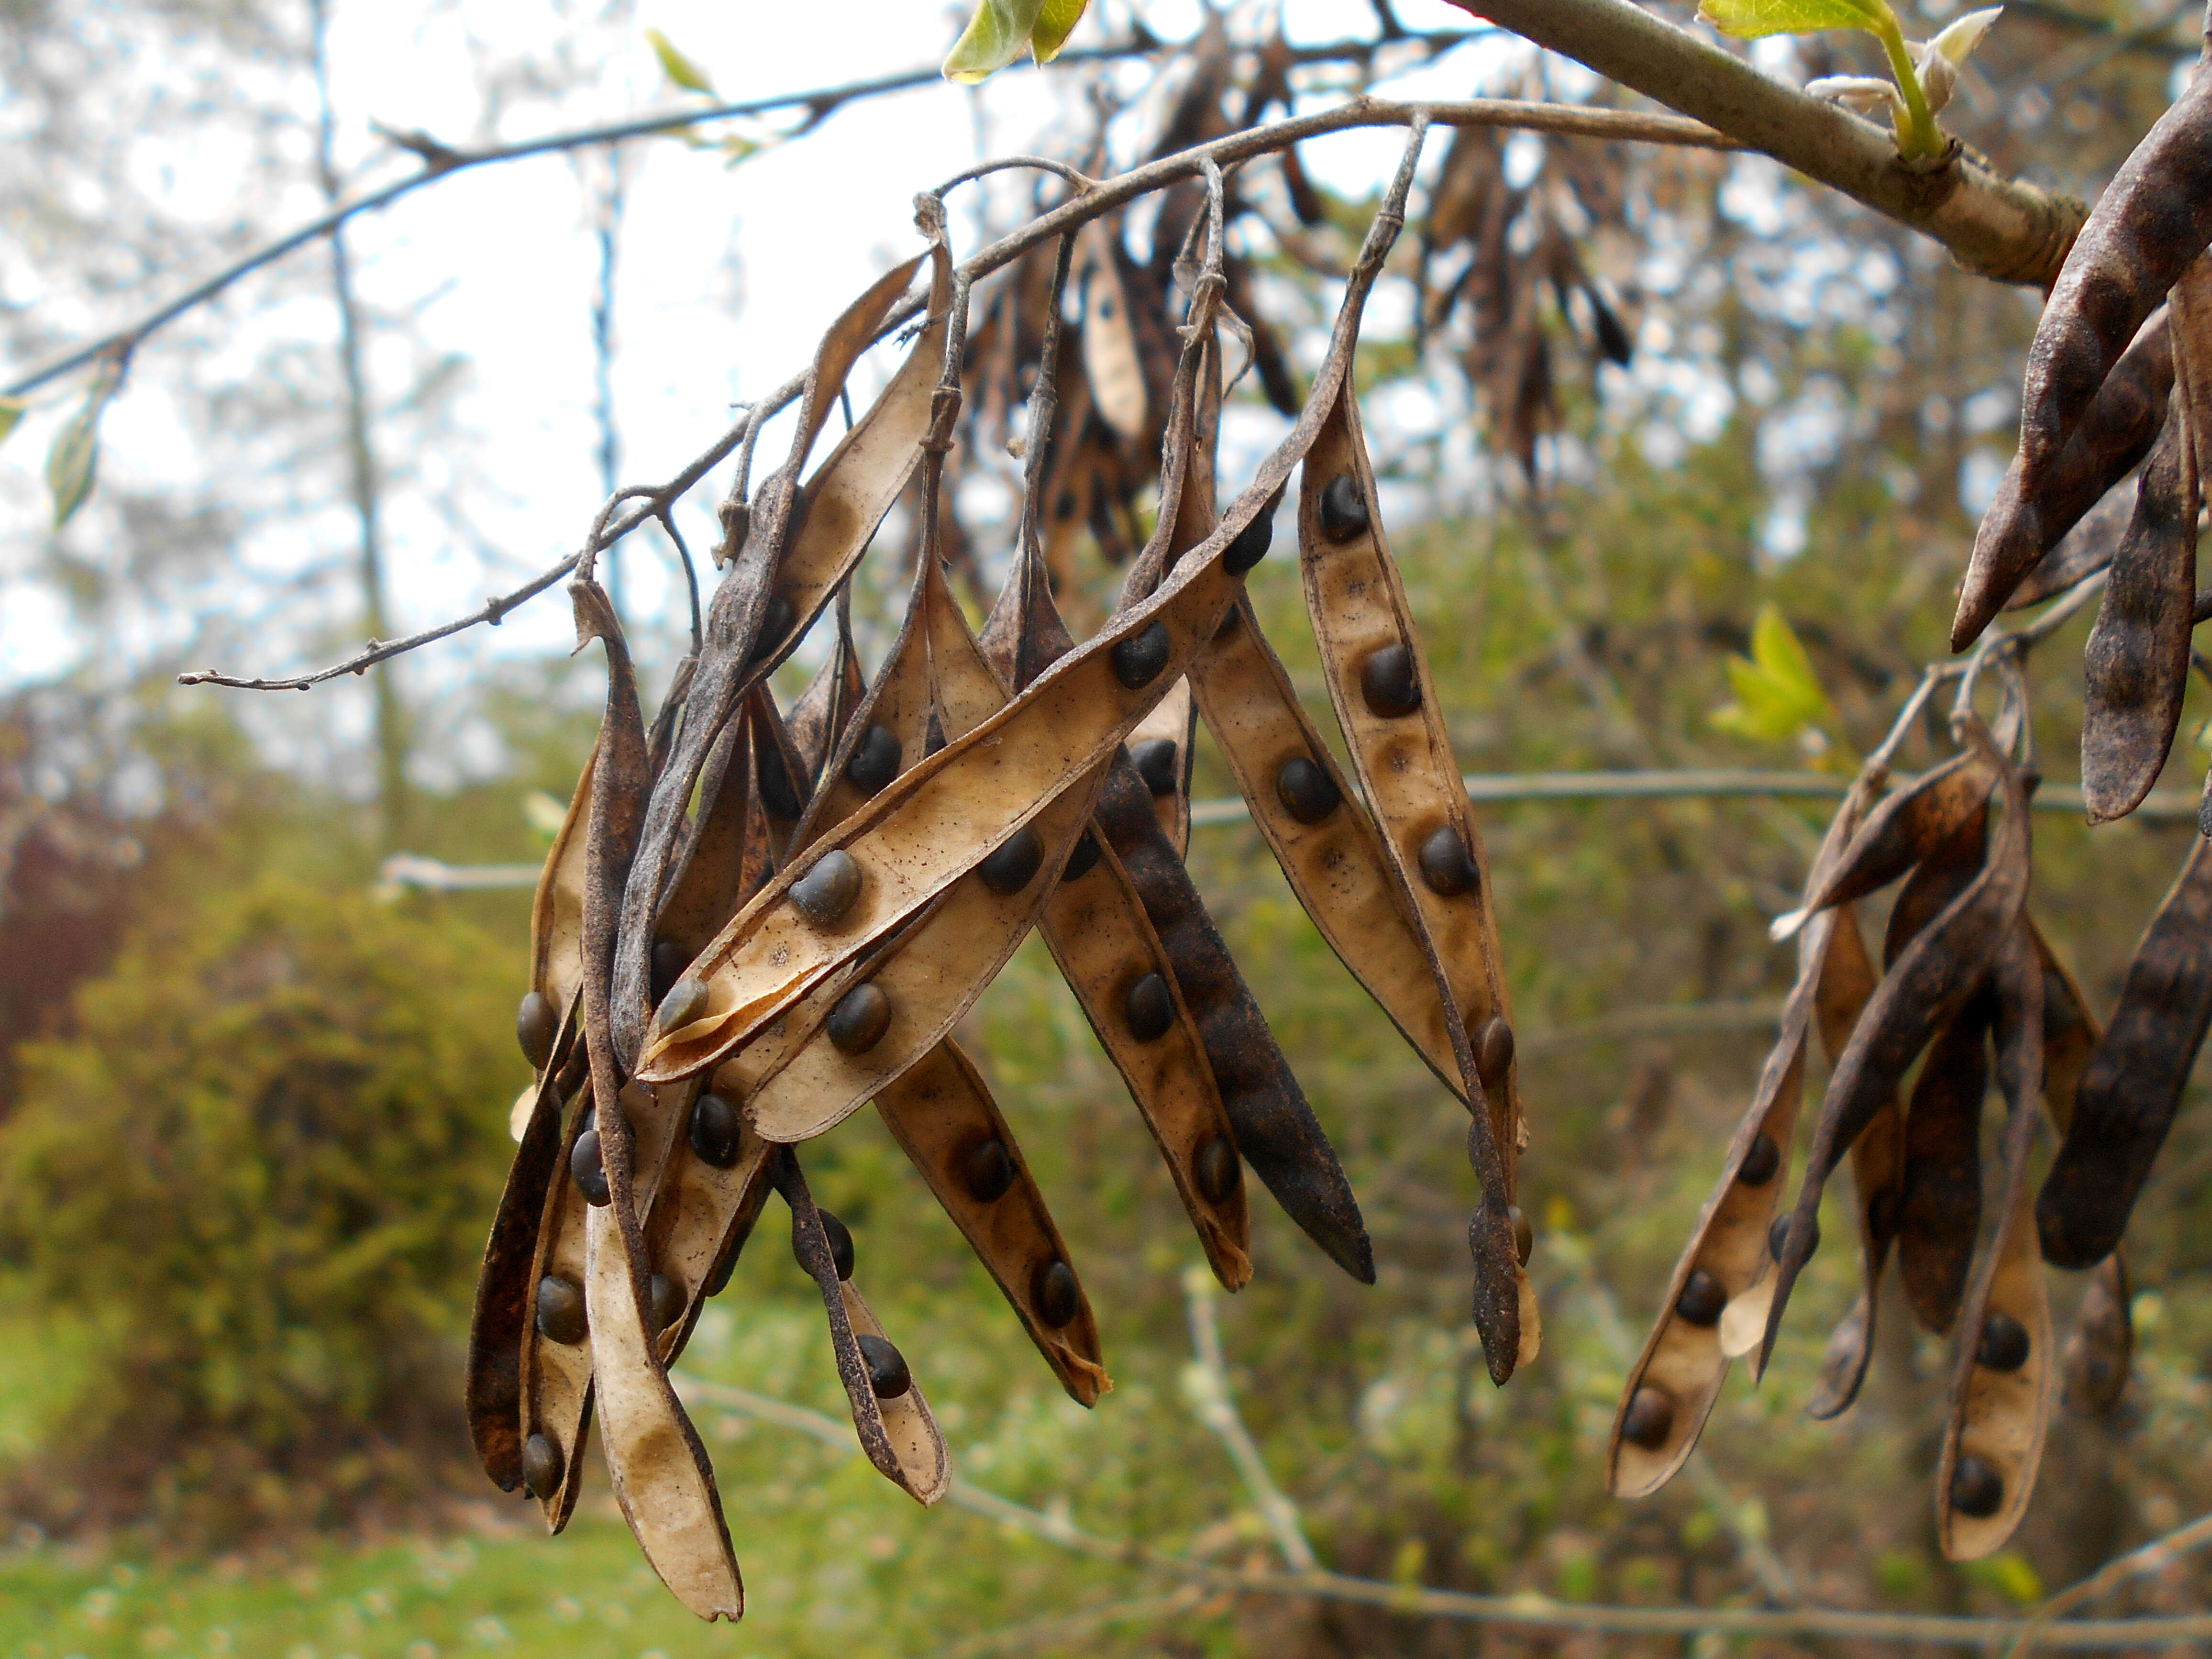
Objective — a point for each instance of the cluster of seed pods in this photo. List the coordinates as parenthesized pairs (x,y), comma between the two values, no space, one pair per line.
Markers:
(753,924)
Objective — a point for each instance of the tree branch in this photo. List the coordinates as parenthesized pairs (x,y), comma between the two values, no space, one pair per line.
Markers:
(1996,228)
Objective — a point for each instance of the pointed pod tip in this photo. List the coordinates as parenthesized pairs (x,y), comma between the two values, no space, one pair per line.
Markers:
(1787,925)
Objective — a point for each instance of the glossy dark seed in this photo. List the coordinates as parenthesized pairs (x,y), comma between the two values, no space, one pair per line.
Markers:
(776,793)
(1778,1235)
(541,1467)
(1649,1420)
(1446,865)
(1137,659)
(1760,1160)
(1343,509)
(1055,1294)
(1149,1008)
(1083,859)
(1388,684)
(828,887)
(719,1280)
(2004,1344)
(1156,764)
(987,1171)
(840,1243)
(1249,545)
(1218,1169)
(685,1001)
(561,1310)
(535,1025)
(775,623)
(715,1131)
(1493,1051)
(1977,1490)
(583,1165)
(1524,1235)
(1014,865)
(670,960)
(1702,1299)
(858,1021)
(888,1376)
(666,1298)
(1307,793)
(875,760)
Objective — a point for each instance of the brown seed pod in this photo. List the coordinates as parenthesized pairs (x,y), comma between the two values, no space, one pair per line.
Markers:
(2002,1379)
(1941,1211)
(1929,982)
(2021,529)
(1929,812)
(825,708)
(2151,221)
(1166,763)
(2098,1354)
(897,1432)
(2132,1086)
(1683,1363)
(2135,666)
(2081,552)
(941,1113)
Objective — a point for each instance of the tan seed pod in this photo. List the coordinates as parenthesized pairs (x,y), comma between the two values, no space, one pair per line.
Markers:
(557,912)
(825,708)
(2098,1354)
(1940,1211)
(1932,811)
(1109,347)
(2003,1377)
(702,1212)
(941,1113)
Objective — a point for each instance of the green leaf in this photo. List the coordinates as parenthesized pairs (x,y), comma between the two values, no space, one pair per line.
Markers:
(11,411)
(996,34)
(1778,696)
(1054,25)
(675,66)
(1747,20)
(75,456)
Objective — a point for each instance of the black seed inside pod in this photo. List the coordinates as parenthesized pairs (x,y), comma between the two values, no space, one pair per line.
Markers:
(1493,1052)
(1137,659)
(1307,793)
(1083,859)
(1149,1008)
(1389,685)
(777,795)
(1977,1489)
(590,1174)
(666,1297)
(561,1310)
(535,1025)
(1014,865)
(1055,1294)
(775,623)
(1155,763)
(1649,1420)
(1524,1235)
(1760,1160)
(1881,1214)
(2004,1344)
(1249,545)
(715,1131)
(719,1280)
(875,760)
(986,1170)
(541,1467)
(828,887)
(685,1002)
(888,1376)
(670,960)
(1218,1169)
(1446,865)
(1777,1237)
(1343,509)
(858,1021)
(1702,1299)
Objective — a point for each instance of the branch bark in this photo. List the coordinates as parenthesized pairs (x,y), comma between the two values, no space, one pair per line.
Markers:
(1996,228)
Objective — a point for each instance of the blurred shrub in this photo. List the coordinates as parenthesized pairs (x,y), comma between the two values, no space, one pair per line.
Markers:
(263,1162)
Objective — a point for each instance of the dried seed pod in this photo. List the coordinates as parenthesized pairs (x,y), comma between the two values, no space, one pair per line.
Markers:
(2135,666)
(1161,749)
(2020,528)
(1940,1210)
(2151,221)
(943,1115)
(2132,1086)
(2082,552)
(1999,1412)
(1683,1365)
(818,719)
(1931,811)
(2098,1354)
(701,1214)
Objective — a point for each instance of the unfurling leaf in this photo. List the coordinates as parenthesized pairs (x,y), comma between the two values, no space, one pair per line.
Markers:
(1778,696)
(1749,20)
(675,66)
(1000,30)
(1055,22)
(75,456)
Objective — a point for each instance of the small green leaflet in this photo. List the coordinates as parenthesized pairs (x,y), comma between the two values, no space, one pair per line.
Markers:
(11,411)
(999,31)
(1778,696)
(75,456)
(1747,20)
(675,66)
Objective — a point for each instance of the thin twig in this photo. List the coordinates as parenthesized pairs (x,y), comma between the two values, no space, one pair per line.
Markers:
(2160,1553)
(1208,1384)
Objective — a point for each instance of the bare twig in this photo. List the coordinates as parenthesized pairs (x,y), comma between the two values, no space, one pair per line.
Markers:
(2151,1558)
(1207,1384)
